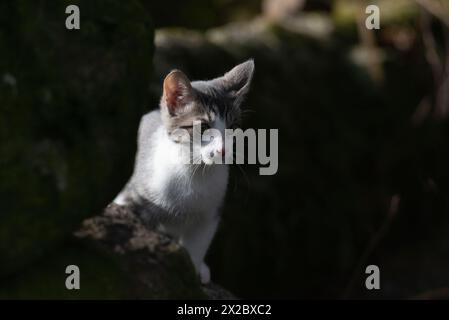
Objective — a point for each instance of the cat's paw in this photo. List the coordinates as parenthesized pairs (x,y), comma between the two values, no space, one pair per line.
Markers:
(204,273)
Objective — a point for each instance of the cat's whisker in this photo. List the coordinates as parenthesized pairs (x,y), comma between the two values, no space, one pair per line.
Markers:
(247,111)
(195,169)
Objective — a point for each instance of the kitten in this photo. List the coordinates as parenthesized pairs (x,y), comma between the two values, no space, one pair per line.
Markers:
(166,192)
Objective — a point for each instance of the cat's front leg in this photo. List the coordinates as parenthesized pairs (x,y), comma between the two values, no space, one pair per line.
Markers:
(196,238)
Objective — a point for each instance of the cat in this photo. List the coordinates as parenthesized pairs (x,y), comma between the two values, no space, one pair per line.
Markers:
(184,199)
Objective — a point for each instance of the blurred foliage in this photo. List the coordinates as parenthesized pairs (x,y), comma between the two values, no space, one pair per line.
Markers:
(100,277)
(348,145)
(70,106)
(201,14)
(300,222)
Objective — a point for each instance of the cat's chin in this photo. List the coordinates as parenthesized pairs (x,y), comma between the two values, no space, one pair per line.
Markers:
(208,162)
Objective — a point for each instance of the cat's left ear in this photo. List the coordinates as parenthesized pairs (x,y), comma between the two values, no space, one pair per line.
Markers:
(177,93)
(237,81)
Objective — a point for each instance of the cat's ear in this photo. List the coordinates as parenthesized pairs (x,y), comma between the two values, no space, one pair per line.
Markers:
(237,81)
(177,93)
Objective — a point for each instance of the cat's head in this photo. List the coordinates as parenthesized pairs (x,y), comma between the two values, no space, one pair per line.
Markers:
(214,104)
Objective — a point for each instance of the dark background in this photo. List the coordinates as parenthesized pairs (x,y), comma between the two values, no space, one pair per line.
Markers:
(363,139)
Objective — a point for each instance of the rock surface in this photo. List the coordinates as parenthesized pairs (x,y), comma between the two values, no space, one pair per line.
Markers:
(118,258)
(158,266)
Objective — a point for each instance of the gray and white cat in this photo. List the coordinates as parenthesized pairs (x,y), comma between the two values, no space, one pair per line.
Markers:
(180,198)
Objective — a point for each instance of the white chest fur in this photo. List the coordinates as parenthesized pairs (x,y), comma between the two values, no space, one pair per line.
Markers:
(181,189)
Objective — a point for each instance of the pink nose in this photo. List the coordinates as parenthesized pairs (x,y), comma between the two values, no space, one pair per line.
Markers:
(222,151)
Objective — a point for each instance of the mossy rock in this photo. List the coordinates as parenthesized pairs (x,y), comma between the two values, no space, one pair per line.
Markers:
(117,258)
(106,276)
(71,104)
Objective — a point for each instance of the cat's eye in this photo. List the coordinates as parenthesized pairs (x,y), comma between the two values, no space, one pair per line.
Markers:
(204,127)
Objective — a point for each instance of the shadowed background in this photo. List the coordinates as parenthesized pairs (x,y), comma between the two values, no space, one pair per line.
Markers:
(363,140)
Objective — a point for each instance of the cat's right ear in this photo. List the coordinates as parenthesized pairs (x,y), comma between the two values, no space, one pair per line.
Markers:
(237,81)
(177,93)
